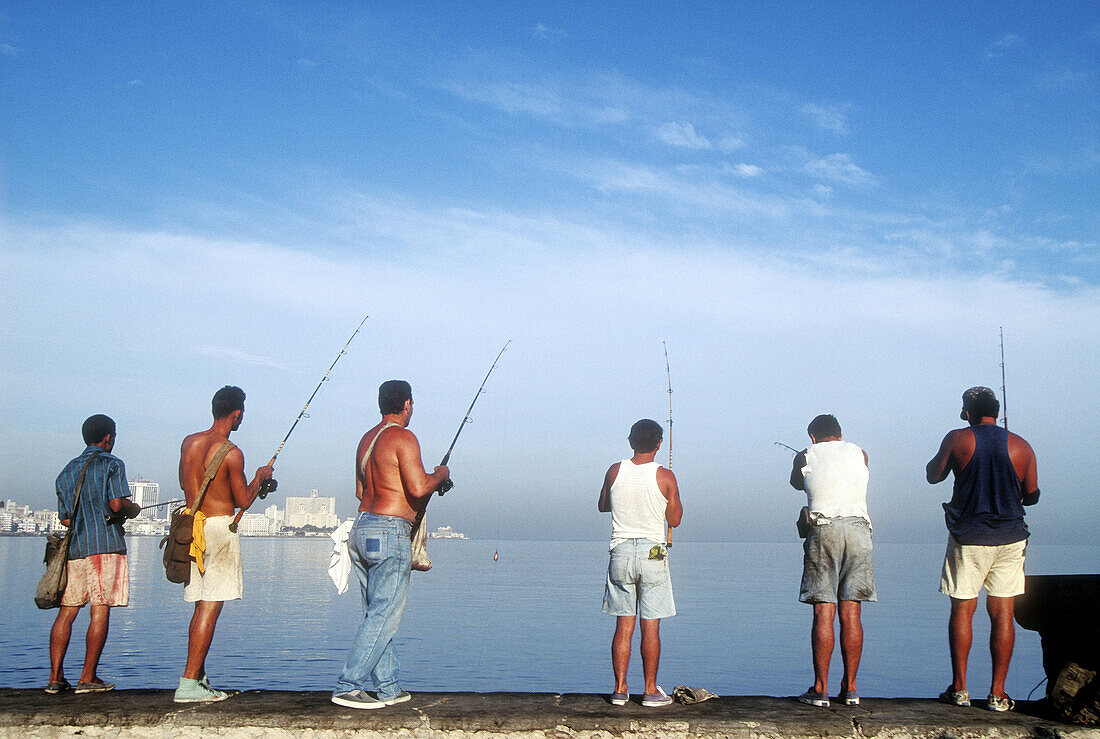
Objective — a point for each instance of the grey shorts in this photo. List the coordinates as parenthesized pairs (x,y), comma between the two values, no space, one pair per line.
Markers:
(837,562)
(636,584)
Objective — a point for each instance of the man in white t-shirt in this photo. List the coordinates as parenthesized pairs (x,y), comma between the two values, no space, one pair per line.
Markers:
(837,573)
(641,497)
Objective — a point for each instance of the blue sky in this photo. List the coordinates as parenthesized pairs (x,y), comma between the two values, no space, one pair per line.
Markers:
(819,207)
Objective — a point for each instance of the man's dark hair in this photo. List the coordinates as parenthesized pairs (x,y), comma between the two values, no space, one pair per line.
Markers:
(230,398)
(392,395)
(824,426)
(978,403)
(645,435)
(96,428)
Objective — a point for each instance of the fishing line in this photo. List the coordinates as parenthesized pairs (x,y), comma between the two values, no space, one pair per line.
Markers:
(1036,688)
(270,485)
(496,564)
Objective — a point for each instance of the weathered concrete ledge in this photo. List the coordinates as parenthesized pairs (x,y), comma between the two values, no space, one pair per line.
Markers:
(151,713)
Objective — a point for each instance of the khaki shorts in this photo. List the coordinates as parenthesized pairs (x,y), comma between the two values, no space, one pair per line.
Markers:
(223,579)
(99,579)
(967,567)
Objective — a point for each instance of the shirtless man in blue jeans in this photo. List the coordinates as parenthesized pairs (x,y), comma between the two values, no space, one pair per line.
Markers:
(392,487)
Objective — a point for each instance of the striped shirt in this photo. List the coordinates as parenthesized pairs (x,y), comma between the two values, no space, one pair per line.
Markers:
(104,481)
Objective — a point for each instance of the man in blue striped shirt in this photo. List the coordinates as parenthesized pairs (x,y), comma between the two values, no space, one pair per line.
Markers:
(97,571)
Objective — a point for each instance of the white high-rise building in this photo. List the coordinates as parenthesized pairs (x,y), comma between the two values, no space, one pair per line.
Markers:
(311,511)
(146,493)
(255,524)
(276,517)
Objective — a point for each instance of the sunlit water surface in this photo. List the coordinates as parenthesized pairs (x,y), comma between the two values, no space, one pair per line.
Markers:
(530,621)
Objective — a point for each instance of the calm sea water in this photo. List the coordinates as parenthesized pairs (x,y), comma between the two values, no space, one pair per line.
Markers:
(528,622)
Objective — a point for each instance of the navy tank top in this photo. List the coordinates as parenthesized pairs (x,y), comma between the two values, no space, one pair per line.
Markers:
(985,507)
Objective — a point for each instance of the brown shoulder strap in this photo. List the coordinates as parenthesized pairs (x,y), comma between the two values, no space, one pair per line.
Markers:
(80,483)
(370,448)
(211,470)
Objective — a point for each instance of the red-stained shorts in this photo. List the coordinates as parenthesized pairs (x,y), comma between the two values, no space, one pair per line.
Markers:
(99,579)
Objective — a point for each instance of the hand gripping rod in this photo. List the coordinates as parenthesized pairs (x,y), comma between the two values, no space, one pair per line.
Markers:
(270,485)
(447,484)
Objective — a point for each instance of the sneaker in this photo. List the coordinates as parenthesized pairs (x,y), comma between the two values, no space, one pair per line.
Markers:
(810,698)
(401,697)
(100,687)
(58,686)
(848,697)
(196,691)
(955,697)
(356,699)
(1000,704)
(656,700)
(620,699)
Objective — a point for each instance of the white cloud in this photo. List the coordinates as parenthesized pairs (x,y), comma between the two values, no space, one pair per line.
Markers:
(513,97)
(235,355)
(1002,44)
(822,191)
(548,33)
(731,143)
(748,170)
(8,50)
(304,62)
(840,168)
(1060,80)
(832,118)
(682,135)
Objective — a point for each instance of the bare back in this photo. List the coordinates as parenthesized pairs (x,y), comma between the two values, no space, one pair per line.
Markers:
(229,488)
(391,482)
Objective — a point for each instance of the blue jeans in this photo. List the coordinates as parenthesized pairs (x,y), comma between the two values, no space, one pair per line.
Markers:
(381,554)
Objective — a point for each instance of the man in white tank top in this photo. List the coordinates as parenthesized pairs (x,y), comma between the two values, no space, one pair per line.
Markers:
(641,497)
(836,569)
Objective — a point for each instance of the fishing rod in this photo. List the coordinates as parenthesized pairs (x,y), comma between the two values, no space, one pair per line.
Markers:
(1004,399)
(270,485)
(668,374)
(787,446)
(112,517)
(447,484)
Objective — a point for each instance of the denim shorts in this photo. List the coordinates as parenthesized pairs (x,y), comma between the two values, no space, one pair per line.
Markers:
(636,584)
(837,562)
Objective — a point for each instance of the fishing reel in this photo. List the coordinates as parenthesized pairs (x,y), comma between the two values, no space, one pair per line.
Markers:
(270,485)
(445,486)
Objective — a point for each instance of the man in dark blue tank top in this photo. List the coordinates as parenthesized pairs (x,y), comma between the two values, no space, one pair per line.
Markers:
(995,477)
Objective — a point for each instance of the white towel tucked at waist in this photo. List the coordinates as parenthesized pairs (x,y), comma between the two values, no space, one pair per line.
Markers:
(339,563)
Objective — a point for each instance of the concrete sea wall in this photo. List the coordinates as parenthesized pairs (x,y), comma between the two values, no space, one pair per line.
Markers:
(151,713)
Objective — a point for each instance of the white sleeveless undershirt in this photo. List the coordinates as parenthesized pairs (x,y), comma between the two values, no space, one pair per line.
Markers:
(637,506)
(835,478)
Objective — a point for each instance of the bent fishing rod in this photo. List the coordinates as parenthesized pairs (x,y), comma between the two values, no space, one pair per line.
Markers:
(270,485)
(668,373)
(787,446)
(447,484)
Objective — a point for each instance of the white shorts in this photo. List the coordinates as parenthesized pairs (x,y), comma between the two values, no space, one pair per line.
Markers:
(224,578)
(967,567)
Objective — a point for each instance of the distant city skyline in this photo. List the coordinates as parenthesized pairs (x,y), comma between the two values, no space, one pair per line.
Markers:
(819,207)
